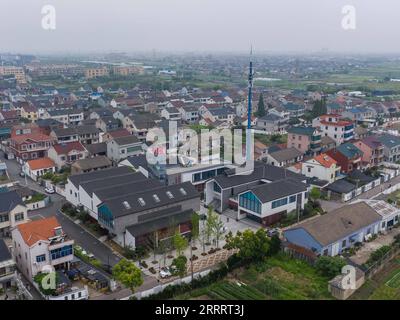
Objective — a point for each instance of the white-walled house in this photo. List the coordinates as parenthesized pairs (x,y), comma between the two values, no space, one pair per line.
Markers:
(322,167)
(38,167)
(269,202)
(39,244)
(13,211)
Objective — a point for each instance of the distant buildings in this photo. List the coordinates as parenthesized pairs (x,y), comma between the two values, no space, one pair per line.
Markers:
(12,212)
(91,73)
(332,126)
(307,140)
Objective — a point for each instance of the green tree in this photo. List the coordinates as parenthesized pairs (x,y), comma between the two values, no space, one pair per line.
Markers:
(180,264)
(261,106)
(128,274)
(180,243)
(275,245)
(195,227)
(315,193)
(330,266)
(252,246)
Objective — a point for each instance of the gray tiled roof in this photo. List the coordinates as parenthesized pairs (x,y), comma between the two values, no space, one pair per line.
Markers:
(340,223)
(286,154)
(275,190)
(9,200)
(261,171)
(117,207)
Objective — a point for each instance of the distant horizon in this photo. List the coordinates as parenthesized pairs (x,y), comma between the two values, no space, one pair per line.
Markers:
(227,26)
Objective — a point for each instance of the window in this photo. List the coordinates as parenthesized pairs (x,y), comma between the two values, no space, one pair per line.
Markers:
(292,199)
(169,194)
(344,243)
(325,252)
(217,188)
(19,216)
(156,198)
(61,252)
(141,201)
(309,169)
(41,258)
(4,217)
(183,191)
(249,201)
(279,203)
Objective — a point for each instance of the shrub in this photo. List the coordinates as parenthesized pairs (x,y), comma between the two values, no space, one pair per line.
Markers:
(377,255)
(330,266)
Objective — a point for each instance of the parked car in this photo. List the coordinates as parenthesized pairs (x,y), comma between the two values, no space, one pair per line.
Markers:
(273,232)
(49,190)
(164,273)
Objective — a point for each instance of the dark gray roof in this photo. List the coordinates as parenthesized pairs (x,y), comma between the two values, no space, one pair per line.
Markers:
(92,163)
(118,208)
(112,181)
(73,130)
(341,186)
(130,187)
(285,154)
(96,148)
(340,223)
(157,224)
(278,189)
(261,171)
(98,175)
(4,251)
(122,141)
(138,161)
(9,200)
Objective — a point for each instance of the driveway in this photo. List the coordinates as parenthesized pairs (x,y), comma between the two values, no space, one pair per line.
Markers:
(367,248)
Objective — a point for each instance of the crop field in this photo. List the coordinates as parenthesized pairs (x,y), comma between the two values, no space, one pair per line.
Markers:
(394,281)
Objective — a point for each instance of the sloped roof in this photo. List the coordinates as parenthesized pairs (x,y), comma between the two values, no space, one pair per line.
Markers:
(37,230)
(340,223)
(286,154)
(9,200)
(275,190)
(41,163)
(65,148)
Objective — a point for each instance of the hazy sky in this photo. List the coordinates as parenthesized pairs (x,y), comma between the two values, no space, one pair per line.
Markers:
(199,25)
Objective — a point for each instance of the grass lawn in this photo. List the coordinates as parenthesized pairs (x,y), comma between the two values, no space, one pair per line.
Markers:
(385,285)
(280,278)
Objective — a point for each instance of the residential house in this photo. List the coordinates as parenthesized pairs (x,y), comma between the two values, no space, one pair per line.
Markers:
(372,150)
(38,167)
(332,126)
(307,140)
(284,157)
(13,211)
(295,110)
(65,154)
(348,156)
(117,133)
(30,112)
(67,116)
(327,143)
(338,230)
(9,116)
(391,147)
(90,164)
(106,124)
(322,167)
(359,114)
(8,268)
(272,123)
(30,146)
(189,113)
(97,149)
(123,147)
(269,202)
(40,243)
(221,191)
(85,134)
(172,114)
